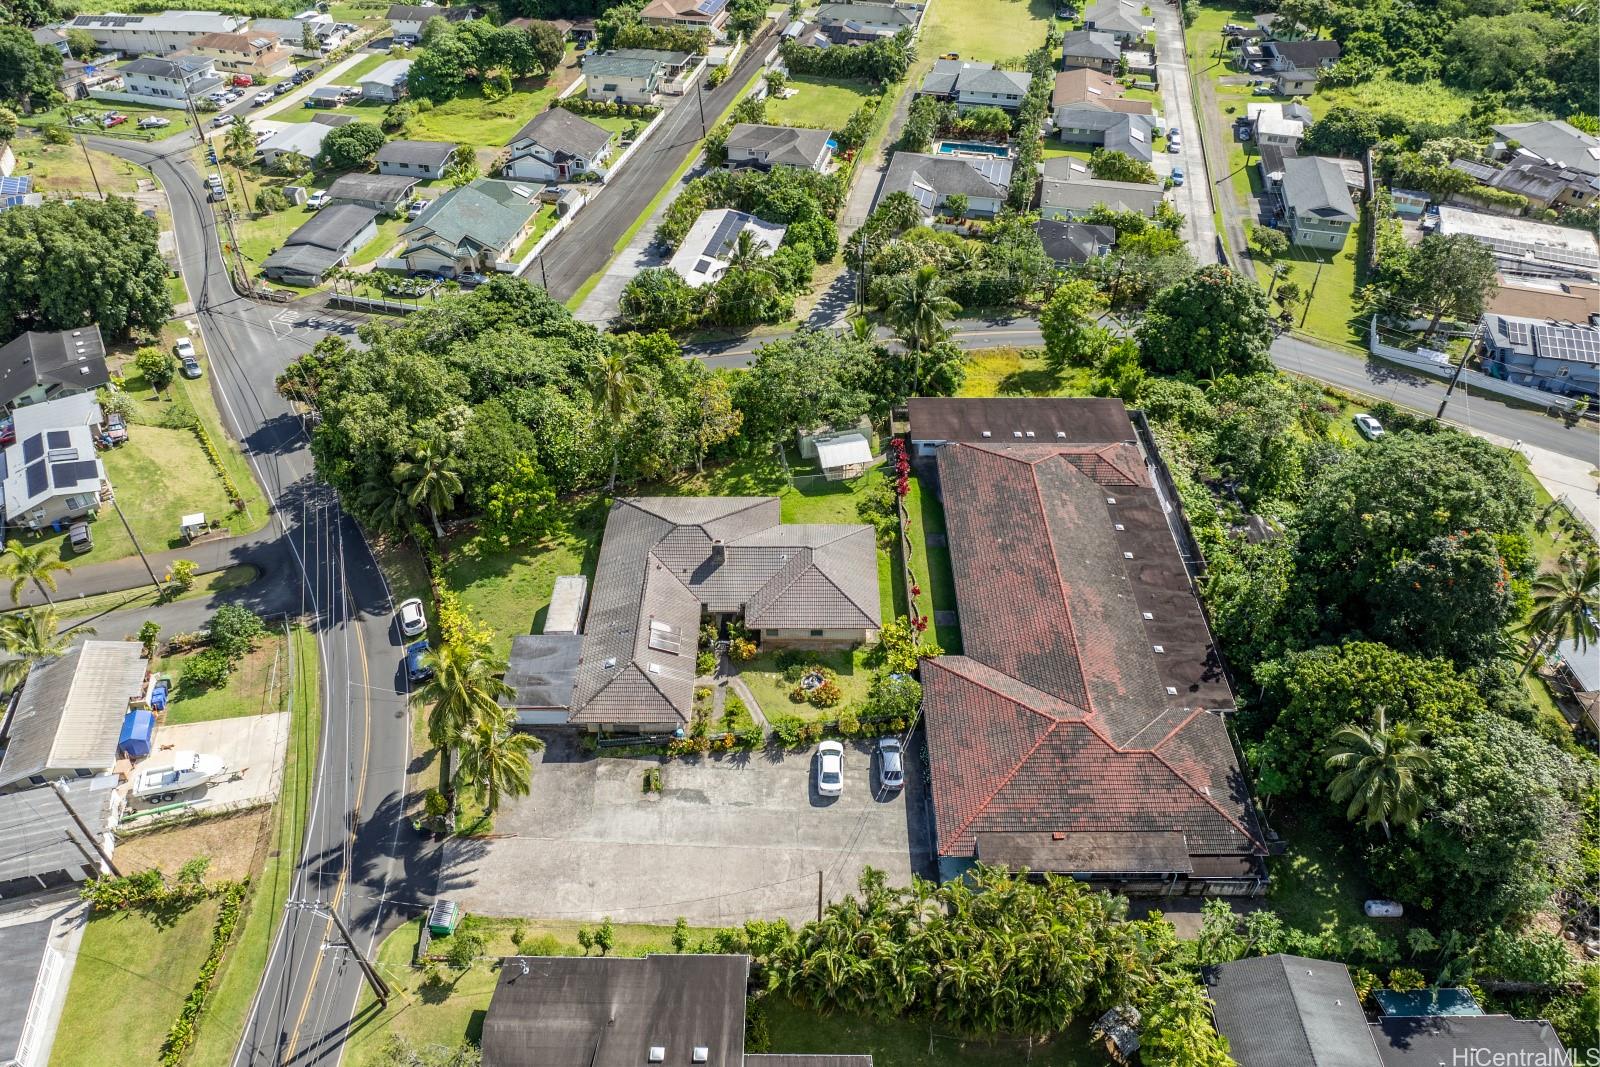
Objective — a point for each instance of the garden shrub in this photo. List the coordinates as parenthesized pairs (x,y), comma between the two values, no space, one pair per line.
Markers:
(788,729)
(741,649)
(705,663)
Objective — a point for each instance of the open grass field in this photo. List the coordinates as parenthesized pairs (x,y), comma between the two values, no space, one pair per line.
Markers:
(911,1043)
(1019,372)
(129,981)
(452,1012)
(95,109)
(825,102)
(989,30)
(471,119)
(1331,278)
(60,169)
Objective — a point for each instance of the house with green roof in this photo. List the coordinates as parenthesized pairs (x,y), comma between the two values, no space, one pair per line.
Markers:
(470,228)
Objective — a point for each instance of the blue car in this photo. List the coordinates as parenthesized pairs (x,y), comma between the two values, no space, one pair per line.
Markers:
(416,670)
(1177,175)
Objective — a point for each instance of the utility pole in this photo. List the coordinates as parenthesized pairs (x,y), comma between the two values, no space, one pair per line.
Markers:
(90,161)
(136,546)
(1455,375)
(861,275)
(380,988)
(60,791)
(700,98)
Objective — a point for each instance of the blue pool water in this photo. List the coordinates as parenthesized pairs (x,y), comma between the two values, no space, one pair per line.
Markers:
(974,149)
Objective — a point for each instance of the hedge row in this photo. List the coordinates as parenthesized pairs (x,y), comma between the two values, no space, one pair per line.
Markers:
(182,1034)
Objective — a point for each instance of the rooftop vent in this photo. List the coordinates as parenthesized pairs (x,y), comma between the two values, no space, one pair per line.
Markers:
(1119,526)
(1127,555)
(719,550)
(1159,648)
(1111,500)
(658,1054)
(701,1054)
(611,661)
(1016,433)
(654,668)
(985,433)
(1172,691)
(1148,616)
(1029,434)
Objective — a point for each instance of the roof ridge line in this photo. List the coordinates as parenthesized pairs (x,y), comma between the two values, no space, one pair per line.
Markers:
(1061,582)
(1168,736)
(1005,781)
(1205,796)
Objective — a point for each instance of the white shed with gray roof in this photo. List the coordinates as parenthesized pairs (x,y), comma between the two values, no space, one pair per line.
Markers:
(66,721)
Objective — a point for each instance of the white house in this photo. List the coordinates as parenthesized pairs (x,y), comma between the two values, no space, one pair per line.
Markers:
(303,137)
(634,75)
(557,145)
(932,180)
(52,472)
(415,159)
(326,34)
(702,257)
(157,34)
(1283,125)
(973,85)
(164,82)
(386,83)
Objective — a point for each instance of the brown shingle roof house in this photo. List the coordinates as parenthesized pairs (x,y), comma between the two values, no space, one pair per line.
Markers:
(1079,732)
(665,561)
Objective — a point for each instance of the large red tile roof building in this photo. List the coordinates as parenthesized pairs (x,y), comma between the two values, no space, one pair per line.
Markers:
(1081,730)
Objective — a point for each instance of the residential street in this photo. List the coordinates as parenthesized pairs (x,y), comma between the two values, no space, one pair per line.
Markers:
(1193,197)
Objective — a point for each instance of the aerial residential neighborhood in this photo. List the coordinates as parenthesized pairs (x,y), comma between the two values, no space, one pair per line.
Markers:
(582,533)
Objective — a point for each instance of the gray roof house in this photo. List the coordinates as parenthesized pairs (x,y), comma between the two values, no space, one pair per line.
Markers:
(303,137)
(933,179)
(1068,191)
(859,23)
(1124,19)
(665,562)
(672,1010)
(765,147)
(1317,209)
(976,84)
(1132,135)
(386,83)
(332,236)
(66,721)
(51,472)
(631,75)
(1290,1011)
(381,192)
(1559,142)
(1074,242)
(1087,48)
(1561,357)
(38,366)
(418,159)
(46,848)
(470,228)
(557,145)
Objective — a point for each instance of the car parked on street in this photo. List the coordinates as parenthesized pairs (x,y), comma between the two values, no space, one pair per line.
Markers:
(284,87)
(263,97)
(1177,175)
(191,366)
(830,769)
(1368,427)
(891,768)
(413,620)
(1175,140)
(222,120)
(416,669)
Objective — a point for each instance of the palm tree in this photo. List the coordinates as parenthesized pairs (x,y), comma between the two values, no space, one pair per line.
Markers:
(495,762)
(241,141)
(429,482)
(746,252)
(1566,603)
(37,565)
(918,307)
(384,505)
(27,637)
(1379,773)
(617,389)
(464,691)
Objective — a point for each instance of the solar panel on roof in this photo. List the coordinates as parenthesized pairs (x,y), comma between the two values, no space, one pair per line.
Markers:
(726,235)
(710,7)
(58,439)
(1567,342)
(71,473)
(33,448)
(1517,332)
(37,479)
(15,185)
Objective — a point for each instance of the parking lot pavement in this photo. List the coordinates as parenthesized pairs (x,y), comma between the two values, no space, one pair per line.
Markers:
(727,839)
(252,746)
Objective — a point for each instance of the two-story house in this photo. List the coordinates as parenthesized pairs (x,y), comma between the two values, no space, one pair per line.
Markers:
(862,23)
(634,75)
(52,473)
(709,15)
(1559,357)
(557,146)
(406,20)
(1317,209)
(260,55)
(169,82)
(157,34)
(1280,125)
(973,85)
(309,35)
(1089,48)
(931,180)
(1296,64)
(1123,19)
(387,82)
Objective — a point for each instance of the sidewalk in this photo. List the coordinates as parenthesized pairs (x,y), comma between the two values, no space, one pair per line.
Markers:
(1561,476)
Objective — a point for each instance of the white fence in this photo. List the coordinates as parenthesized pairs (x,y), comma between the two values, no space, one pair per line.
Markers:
(1430,361)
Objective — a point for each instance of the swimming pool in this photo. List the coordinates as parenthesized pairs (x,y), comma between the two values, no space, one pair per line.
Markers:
(971,148)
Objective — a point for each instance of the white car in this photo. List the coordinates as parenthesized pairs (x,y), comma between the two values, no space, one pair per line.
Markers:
(318,200)
(830,769)
(413,620)
(1174,141)
(1383,909)
(263,97)
(222,120)
(153,122)
(1368,427)
(891,768)
(184,348)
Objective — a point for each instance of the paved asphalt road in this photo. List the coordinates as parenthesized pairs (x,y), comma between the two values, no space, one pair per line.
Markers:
(586,247)
(359,851)
(1368,376)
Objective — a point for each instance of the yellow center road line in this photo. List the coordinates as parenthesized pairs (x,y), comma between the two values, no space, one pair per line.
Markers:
(344,868)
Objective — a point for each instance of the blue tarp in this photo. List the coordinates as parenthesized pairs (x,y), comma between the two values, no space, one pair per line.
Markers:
(137,730)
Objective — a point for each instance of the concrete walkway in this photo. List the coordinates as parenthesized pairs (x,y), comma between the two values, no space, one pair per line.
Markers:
(736,683)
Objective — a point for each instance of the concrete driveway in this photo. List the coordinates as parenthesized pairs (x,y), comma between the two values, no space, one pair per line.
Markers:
(727,839)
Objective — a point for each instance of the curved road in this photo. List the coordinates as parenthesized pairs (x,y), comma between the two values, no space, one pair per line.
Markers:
(358,849)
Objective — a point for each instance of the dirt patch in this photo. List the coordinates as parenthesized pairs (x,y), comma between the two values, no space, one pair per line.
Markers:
(232,844)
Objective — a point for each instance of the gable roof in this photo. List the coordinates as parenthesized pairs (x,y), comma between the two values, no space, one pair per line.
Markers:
(242,41)
(782,144)
(1118,16)
(41,837)
(1558,141)
(428,153)
(334,227)
(484,213)
(1090,43)
(174,67)
(1085,701)
(422,13)
(1314,185)
(1129,134)
(303,137)
(951,76)
(1064,189)
(1447,1039)
(70,712)
(1088,87)
(930,178)
(384,188)
(632,62)
(1290,1011)
(392,73)
(877,14)
(660,561)
(65,359)
(1305,55)
(693,10)
(1073,242)
(565,134)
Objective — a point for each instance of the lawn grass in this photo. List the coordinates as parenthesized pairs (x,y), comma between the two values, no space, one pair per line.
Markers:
(128,130)
(990,30)
(824,102)
(256,686)
(245,962)
(542,224)
(1318,881)
(128,983)
(453,1011)
(771,691)
(160,475)
(930,564)
(470,119)
(913,1043)
(1019,372)
(1054,149)
(60,169)
(1331,278)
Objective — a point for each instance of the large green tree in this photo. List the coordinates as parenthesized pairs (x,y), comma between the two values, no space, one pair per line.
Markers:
(1214,322)
(1566,605)
(1447,275)
(350,146)
(21,564)
(812,379)
(69,264)
(1380,773)
(495,762)
(28,71)
(1070,323)
(1452,598)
